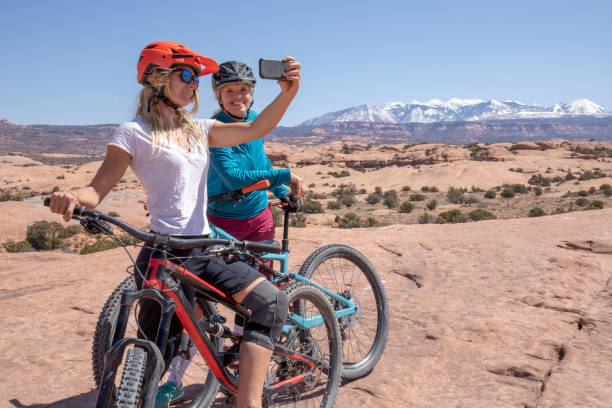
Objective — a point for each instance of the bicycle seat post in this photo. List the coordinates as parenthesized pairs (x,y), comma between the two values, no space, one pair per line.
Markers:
(285,243)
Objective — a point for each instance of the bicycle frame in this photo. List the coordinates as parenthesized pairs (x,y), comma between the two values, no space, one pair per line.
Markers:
(163,286)
(283,258)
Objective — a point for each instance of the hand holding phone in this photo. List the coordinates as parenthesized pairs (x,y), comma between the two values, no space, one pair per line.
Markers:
(272,69)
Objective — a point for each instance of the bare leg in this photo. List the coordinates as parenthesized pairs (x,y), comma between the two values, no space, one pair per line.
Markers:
(253,364)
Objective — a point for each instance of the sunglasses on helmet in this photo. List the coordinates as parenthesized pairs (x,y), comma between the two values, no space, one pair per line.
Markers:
(187,77)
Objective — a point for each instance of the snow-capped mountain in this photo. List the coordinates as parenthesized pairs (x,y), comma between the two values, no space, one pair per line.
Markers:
(455,110)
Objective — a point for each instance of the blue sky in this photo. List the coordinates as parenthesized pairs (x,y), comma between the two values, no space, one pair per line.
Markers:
(74,62)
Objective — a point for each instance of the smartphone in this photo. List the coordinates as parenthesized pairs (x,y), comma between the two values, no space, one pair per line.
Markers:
(272,69)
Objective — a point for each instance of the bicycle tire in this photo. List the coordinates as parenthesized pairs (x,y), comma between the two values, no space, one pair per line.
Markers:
(330,376)
(130,387)
(105,329)
(339,268)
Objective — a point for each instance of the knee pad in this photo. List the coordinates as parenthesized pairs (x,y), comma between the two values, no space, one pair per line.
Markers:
(269,307)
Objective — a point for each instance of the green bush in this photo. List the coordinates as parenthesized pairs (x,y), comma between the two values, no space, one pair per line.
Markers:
(452,216)
(335,174)
(101,244)
(480,215)
(347,200)
(608,192)
(426,219)
(583,193)
(433,189)
(604,187)
(373,198)
(44,235)
(21,246)
(416,197)
(298,220)
(390,199)
(595,205)
(569,176)
(114,214)
(431,205)
(425,189)
(455,196)
(406,207)
(311,206)
(333,205)
(507,193)
(406,188)
(350,220)
(539,180)
(490,194)
(312,185)
(537,191)
(378,190)
(536,212)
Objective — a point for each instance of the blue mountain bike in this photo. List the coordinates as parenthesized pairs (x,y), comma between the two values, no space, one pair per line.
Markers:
(342,273)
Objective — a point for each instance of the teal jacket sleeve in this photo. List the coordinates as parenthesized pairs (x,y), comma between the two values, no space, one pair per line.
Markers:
(233,176)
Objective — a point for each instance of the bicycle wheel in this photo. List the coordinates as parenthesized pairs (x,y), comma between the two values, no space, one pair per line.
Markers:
(130,387)
(200,385)
(321,342)
(346,272)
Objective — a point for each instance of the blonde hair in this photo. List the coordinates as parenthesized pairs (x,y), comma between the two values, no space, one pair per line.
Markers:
(151,112)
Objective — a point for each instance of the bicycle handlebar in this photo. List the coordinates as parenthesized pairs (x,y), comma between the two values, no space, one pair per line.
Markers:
(166,240)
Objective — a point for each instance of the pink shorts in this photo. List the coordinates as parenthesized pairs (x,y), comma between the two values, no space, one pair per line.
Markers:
(258,228)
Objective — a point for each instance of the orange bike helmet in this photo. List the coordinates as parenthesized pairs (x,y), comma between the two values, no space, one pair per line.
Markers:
(165,54)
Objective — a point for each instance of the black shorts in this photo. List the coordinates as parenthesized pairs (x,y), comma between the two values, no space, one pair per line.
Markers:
(229,278)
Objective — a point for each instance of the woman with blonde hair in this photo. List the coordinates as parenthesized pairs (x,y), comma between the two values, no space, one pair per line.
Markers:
(168,151)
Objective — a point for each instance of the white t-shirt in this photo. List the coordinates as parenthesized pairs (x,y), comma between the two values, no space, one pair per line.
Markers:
(173,178)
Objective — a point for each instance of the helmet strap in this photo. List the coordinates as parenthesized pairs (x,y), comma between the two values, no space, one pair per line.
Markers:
(159,94)
(240,119)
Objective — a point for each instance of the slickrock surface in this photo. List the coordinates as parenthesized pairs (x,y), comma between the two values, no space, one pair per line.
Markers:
(485,314)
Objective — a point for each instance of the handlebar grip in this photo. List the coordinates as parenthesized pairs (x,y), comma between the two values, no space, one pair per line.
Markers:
(260,185)
(78,209)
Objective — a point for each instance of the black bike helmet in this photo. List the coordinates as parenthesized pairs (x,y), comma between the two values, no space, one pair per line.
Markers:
(232,72)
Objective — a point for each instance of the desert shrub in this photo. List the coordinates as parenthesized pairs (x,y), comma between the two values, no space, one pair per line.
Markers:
(477,189)
(277,215)
(469,201)
(592,190)
(537,191)
(390,199)
(595,205)
(62,177)
(70,230)
(507,193)
(114,214)
(333,205)
(360,169)
(431,205)
(55,189)
(316,196)
(569,176)
(604,187)
(21,246)
(310,206)
(25,188)
(298,220)
(378,190)
(433,189)
(312,185)
(416,197)
(362,191)
(346,149)
(406,188)
(425,189)
(539,180)
(335,174)
(406,207)
(371,222)
(350,220)
(518,169)
(517,188)
(608,192)
(44,235)
(425,219)
(373,198)
(101,244)
(347,200)
(452,216)
(590,175)
(480,215)
(489,194)
(536,212)
(583,193)
(455,195)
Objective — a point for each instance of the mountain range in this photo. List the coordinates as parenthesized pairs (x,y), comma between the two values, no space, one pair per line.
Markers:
(457,110)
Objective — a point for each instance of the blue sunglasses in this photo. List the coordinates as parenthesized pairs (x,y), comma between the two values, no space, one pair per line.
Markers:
(187,77)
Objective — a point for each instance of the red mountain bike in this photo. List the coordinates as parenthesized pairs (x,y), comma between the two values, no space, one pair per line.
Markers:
(306,364)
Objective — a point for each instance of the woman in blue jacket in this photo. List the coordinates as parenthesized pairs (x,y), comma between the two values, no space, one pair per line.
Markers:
(239,166)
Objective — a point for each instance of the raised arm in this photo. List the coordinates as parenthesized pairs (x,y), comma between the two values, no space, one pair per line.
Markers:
(231,134)
(112,169)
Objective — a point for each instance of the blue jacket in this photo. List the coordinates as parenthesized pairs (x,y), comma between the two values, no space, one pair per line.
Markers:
(239,166)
